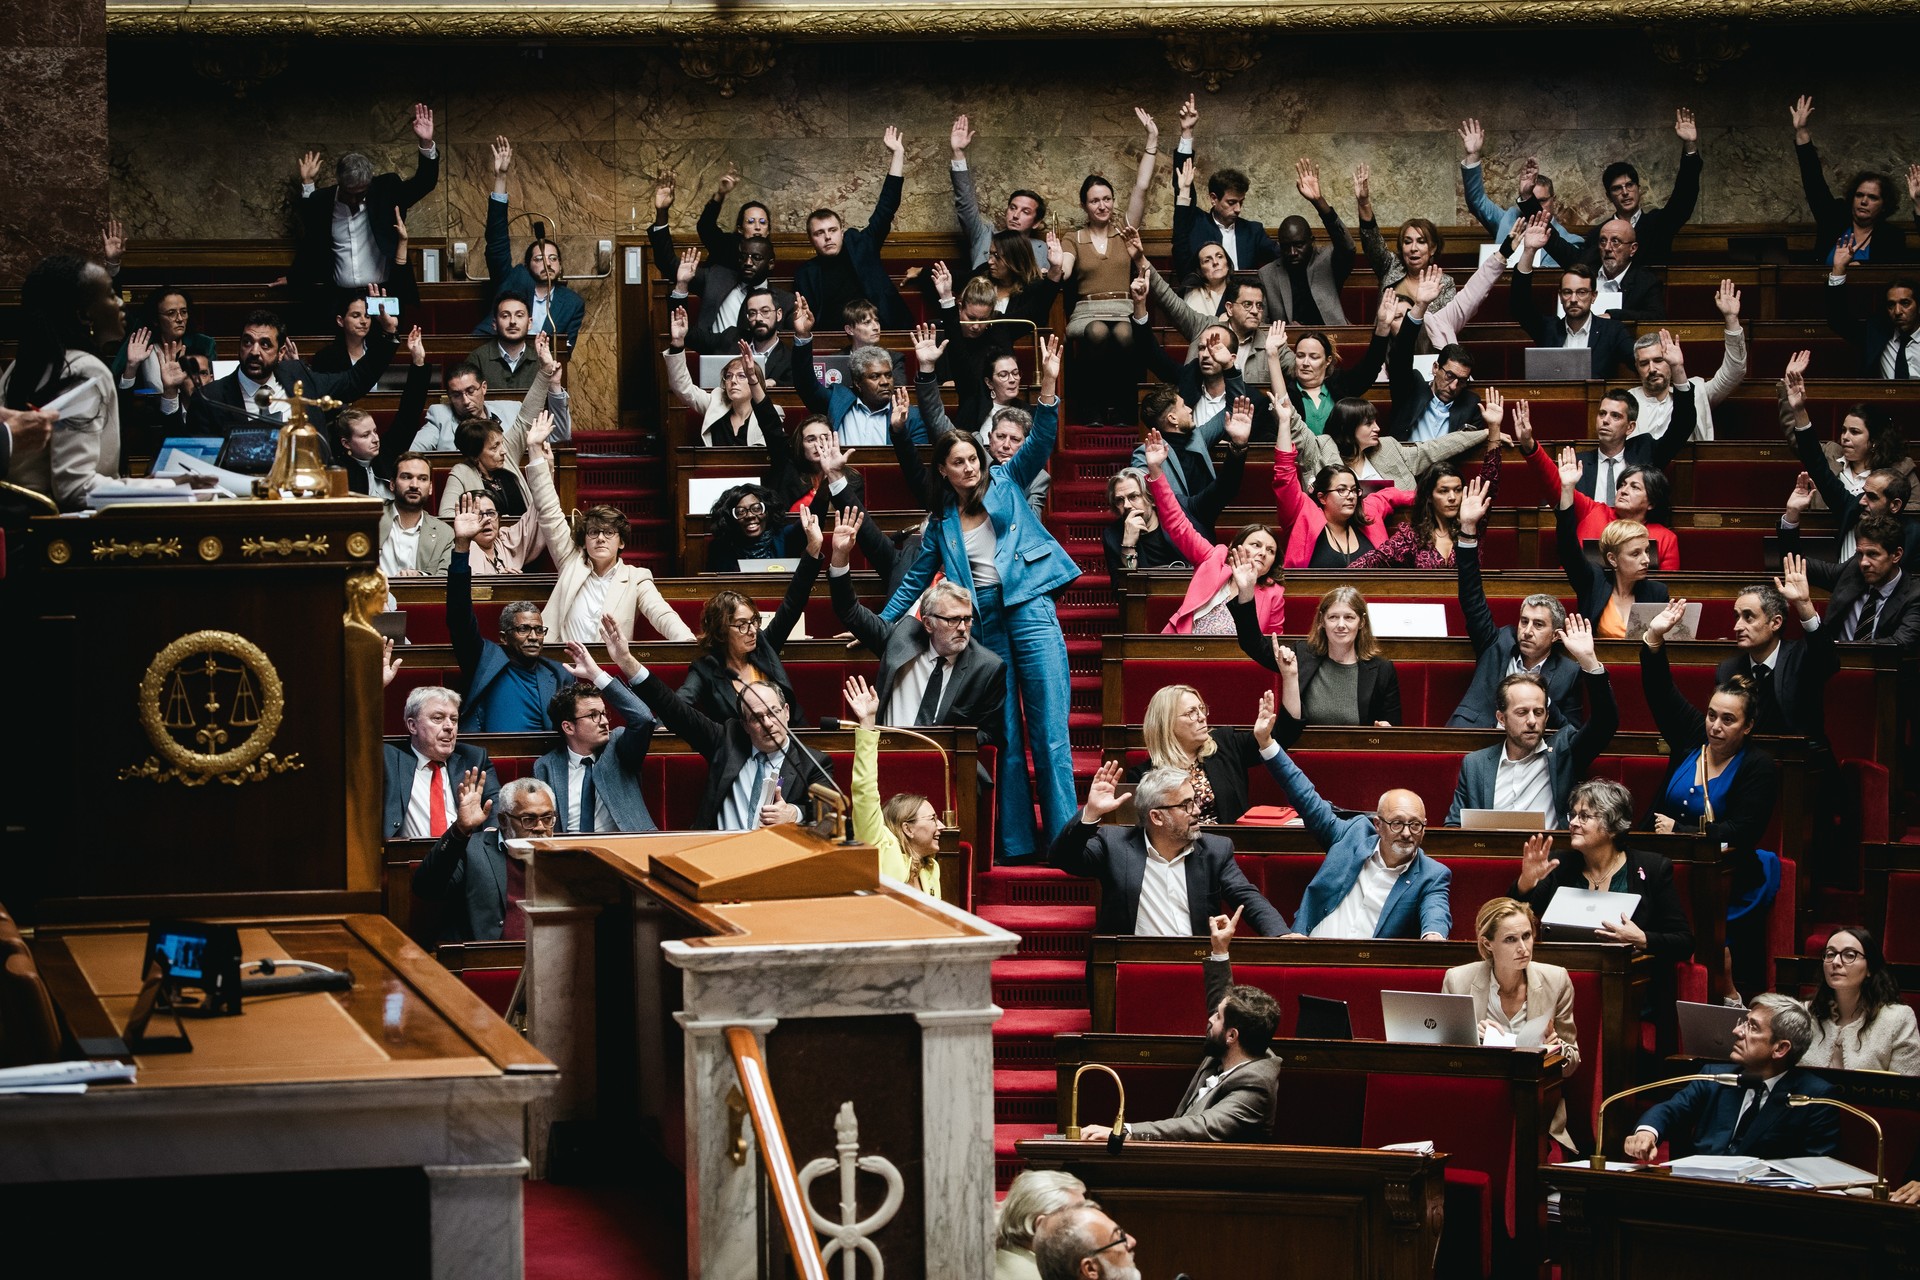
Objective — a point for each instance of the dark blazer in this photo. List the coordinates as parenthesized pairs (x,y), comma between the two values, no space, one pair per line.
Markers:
(1609,342)
(727,750)
(1253,247)
(565,308)
(1655,230)
(389,194)
(1413,393)
(1898,621)
(1186,378)
(1573,752)
(1379,683)
(468,874)
(1833,215)
(616,770)
(1352,381)
(1644,296)
(399,432)
(713,284)
(1659,915)
(1701,1118)
(862,246)
(1741,821)
(1845,506)
(217,409)
(709,684)
(1592,588)
(482,661)
(1868,335)
(1793,698)
(1239,1108)
(1326,270)
(1495,647)
(1117,857)
(401,764)
(975,693)
(1236,754)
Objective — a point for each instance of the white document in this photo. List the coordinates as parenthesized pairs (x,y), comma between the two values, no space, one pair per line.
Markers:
(1421,1148)
(62,1077)
(78,403)
(1823,1173)
(1493,1037)
(181,463)
(1389,619)
(1586,909)
(1718,1168)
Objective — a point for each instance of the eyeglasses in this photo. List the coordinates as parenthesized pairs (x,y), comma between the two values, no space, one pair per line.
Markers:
(1576,293)
(1404,825)
(600,716)
(751,512)
(1189,806)
(1123,1240)
(1195,714)
(534,819)
(1844,957)
(528,630)
(953,619)
(745,625)
(1344,490)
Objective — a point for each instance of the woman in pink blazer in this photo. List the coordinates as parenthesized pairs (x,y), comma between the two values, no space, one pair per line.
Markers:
(1340,524)
(1204,611)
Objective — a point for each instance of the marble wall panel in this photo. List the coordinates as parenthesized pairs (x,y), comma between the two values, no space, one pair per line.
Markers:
(53,96)
(594,126)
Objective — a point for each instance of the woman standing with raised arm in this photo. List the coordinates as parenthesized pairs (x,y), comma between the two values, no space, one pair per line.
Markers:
(1098,269)
(984,537)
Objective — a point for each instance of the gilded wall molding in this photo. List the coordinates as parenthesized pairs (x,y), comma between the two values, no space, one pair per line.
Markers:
(925,19)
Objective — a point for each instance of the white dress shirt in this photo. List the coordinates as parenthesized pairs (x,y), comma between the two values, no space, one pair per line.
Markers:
(1163,909)
(1606,475)
(249,389)
(910,685)
(584,619)
(1358,915)
(578,767)
(420,799)
(356,258)
(1579,339)
(1210,406)
(1888,357)
(1526,785)
(1608,294)
(741,809)
(401,550)
(1229,242)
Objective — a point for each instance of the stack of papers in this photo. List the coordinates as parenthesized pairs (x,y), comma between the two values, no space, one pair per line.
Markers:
(62,1077)
(1718,1168)
(1422,1148)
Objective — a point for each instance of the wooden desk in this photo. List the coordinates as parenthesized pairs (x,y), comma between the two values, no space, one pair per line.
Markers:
(1651,1227)
(407,1070)
(1263,1210)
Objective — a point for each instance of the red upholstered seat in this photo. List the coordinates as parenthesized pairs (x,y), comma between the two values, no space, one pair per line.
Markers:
(1472,1121)
(1167,998)
(495,986)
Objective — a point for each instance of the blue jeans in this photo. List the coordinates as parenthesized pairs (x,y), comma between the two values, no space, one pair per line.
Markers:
(1028,639)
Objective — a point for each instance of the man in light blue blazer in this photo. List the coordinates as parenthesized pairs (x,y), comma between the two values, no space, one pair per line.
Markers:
(604,762)
(1376,881)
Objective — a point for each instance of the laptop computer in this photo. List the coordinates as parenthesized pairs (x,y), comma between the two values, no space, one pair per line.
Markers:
(1323,1019)
(757,564)
(1557,364)
(1428,1017)
(1502,820)
(1573,915)
(1706,1030)
(249,450)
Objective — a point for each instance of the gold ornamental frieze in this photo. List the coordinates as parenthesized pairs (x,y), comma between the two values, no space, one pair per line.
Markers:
(283,547)
(157,549)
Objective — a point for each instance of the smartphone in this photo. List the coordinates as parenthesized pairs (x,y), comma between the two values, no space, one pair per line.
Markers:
(384,307)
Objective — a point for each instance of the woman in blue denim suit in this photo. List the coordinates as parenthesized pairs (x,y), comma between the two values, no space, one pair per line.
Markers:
(985,537)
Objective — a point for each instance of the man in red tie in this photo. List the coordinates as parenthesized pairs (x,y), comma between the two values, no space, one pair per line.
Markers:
(422,775)
(468,870)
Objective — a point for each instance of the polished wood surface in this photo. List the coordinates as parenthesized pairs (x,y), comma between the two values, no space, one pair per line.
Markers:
(1263,1211)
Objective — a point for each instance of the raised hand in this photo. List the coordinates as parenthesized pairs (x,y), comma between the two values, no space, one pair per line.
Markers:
(502,155)
(1670,349)
(1577,639)
(1913,193)
(423,124)
(1056,254)
(543,352)
(1684,126)
(1049,355)
(1147,123)
(466,520)
(1155,449)
(893,142)
(1795,380)
(417,346)
(1136,250)
(1801,497)
(172,376)
(1189,116)
(113,237)
(1103,795)
(1240,422)
(289,350)
(728,180)
(846,535)
(1791,582)
(1183,180)
(139,344)
(1801,114)
(1240,566)
(1539,230)
(1306,180)
(942,281)
(802,317)
(389,324)
(833,459)
(540,431)
(1843,252)
(1285,658)
(1283,414)
(663,193)
(1473,140)
(1220,930)
(619,647)
(1536,861)
(897,422)
(1664,621)
(389,665)
(309,167)
(1265,716)
(1726,299)
(677,326)
(960,137)
(688,268)
(580,664)
(471,805)
(1493,408)
(756,376)
(861,697)
(1475,503)
(927,346)
(1427,285)
(1362,182)
(810,526)
(1137,293)
(1570,469)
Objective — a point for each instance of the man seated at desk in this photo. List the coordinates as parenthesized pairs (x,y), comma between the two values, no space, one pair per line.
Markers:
(1231,1097)
(1749,1115)
(468,868)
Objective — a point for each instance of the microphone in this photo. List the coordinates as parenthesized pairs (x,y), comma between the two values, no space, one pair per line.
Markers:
(263,400)
(825,768)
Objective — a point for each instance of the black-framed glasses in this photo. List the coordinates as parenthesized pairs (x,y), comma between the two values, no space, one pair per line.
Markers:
(953,619)
(1124,1239)
(1404,825)
(1190,806)
(528,629)
(745,625)
(534,819)
(1844,957)
(600,716)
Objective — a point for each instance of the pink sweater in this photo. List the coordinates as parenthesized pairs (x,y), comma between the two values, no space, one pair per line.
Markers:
(1211,571)
(1304,521)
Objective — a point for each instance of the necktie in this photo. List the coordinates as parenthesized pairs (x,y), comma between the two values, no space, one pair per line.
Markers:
(755,791)
(1900,344)
(1745,1122)
(436,800)
(1603,483)
(1863,629)
(586,797)
(513,924)
(929,712)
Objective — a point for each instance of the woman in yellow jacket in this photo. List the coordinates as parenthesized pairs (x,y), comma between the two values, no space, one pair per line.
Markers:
(906,829)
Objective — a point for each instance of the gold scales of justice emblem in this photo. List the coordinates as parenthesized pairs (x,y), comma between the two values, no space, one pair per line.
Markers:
(211,703)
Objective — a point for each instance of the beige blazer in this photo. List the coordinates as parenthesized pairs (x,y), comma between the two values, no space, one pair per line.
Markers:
(463,476)
(629,591)
(1892,1043)
(1399,464)
(1548,987)
(84,451)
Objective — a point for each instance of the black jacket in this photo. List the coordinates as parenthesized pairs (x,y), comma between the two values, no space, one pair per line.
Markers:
(1413,393)
(1655,230)
(1660,915)
(1186,379)
(1609,342)
(708,687)
(727,750)
(1833,215)
(468,875)
(1793,697)
(1898,620)
(217,409)
(399,432)
(1495,647)
(974,694)
(1868,335)
(1236,754)
(1592,588)
(1379,694)
(1741,821)
(1116,856)
(389,194)
(713,284)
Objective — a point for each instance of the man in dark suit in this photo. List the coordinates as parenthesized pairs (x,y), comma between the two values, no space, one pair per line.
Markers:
(1870,599)
(742,755)
(468,868)
(1657,227)
(346,234)
(1160,878)
(557,309)
(1426,409)
(846,260)
(434,761)
(1246,241)
(1883,492)
(1889,343)
(1609,343)
(1618,449)
(724,286)
(1788,688)
(1749,1115)
(1527,772)
(1232,1095)
(510,684)
(1624,287)
(1210,378)
(595,771)
(1302,285)
(265,364)
(932,671)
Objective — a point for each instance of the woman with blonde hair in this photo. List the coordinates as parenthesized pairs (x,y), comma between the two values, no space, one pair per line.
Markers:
(1216,758)
(906,829)
(1512,991)
(1338,675)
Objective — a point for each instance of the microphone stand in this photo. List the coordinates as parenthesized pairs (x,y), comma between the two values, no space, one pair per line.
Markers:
(948,818)
(1598,1160)
(841,828)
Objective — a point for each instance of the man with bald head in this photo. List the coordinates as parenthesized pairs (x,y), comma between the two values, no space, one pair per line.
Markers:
(1622,288)
(1376,882)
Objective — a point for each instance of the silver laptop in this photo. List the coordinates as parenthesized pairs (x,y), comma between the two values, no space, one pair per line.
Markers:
(1502,820)
(1558,364)
(1427,1017)
(756,564)
(1574,915)
(1706,1030)
(711,367)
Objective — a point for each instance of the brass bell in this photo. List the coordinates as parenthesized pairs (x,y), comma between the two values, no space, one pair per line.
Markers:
(299,468)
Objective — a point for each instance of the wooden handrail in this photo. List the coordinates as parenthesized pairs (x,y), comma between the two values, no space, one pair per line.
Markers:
(775,1155)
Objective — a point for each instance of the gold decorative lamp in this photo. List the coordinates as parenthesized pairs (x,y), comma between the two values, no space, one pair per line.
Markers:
(1598,1159)
(1073,1104)
(299,469)
(1879,1135)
